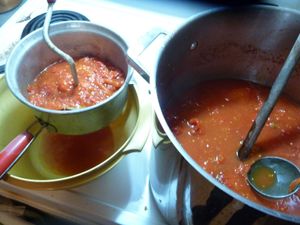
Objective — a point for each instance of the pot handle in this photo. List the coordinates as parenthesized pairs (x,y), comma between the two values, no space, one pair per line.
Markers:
(13,151)
(143,43)
(143,126)
(16,148)
(158,135)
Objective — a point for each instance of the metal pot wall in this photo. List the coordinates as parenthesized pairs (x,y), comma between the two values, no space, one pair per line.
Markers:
(248,43)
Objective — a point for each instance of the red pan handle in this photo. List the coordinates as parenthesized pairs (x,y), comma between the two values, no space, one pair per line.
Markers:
(11,153)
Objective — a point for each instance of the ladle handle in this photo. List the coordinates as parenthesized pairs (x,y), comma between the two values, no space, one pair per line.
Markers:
(134,53)
(13,151)
(269,104)
(53,47)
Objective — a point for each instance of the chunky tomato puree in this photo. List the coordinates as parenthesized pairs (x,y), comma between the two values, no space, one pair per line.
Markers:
(213,118)
(54,87)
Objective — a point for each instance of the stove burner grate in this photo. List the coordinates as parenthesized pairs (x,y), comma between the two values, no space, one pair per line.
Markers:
(57,16)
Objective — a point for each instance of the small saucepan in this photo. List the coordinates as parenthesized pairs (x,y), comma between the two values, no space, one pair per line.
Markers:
(31,55)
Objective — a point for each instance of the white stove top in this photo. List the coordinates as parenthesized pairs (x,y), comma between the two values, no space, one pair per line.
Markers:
(122,195)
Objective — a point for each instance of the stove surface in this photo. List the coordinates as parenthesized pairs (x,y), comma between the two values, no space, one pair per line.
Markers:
(122,195)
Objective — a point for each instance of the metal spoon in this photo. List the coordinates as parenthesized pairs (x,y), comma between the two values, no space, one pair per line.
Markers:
(54,48)
(277,87)
(274,177)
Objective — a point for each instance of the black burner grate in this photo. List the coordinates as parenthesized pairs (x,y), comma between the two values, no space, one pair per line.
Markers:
(57,16)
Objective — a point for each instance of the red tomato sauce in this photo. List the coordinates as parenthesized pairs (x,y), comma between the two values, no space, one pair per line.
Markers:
(213,118)
(54,87)
(67,155)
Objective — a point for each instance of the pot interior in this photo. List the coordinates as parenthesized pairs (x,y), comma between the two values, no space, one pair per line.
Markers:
(248,43)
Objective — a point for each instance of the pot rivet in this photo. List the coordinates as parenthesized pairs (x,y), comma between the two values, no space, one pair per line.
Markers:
(194,45)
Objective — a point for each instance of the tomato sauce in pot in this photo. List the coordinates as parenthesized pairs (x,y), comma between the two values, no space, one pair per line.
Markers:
(212,119)
(54,87)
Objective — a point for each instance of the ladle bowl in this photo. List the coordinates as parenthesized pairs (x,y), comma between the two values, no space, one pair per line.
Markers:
(272,177)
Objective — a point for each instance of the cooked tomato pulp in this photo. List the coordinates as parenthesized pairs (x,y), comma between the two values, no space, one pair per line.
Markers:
(54,87)
(213,118)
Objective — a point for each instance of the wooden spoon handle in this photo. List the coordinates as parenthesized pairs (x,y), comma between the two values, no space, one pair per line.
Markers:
(277,87)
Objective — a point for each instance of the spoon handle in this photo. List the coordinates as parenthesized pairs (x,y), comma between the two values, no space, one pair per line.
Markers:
(269,104)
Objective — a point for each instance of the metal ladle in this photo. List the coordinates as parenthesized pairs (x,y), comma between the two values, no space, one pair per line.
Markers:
(52,46)
(275,174)
(277,87)
(274,177)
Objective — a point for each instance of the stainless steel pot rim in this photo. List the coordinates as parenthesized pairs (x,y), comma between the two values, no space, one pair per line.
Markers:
(70,26)
(178,146)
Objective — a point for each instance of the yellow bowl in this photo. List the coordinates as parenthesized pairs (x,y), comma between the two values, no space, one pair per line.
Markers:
(57,161)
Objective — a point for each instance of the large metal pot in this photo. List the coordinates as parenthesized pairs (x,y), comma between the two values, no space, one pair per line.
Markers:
(248,43)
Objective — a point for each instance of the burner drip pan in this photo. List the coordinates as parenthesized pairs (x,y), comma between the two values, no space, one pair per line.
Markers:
(57,16)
